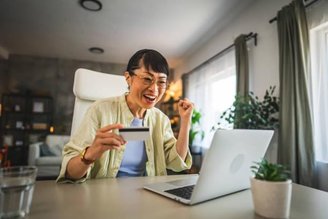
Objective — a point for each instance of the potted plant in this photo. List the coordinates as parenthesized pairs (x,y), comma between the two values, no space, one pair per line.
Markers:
(271,189)
(248,112)
(195,130)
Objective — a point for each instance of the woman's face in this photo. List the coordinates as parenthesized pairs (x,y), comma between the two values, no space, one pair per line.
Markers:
(146,87)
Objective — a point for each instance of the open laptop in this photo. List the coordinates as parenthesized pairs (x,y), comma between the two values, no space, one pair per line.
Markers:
(225,169)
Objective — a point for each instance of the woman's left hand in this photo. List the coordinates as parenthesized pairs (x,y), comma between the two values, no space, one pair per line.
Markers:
(185,108)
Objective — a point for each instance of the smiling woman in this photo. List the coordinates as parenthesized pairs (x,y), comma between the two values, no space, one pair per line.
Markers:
(97,150)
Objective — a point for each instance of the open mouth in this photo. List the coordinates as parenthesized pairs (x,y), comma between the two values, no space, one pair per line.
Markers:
(150,98)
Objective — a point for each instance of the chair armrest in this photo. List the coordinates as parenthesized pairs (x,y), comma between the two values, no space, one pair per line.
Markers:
(34,152)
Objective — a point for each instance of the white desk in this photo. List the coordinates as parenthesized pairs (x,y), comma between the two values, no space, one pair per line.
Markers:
(124,198)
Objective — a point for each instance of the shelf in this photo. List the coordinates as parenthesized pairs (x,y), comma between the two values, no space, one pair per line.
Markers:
(39,113)
(40,130)
(13,112)
(24,118)
(14,130)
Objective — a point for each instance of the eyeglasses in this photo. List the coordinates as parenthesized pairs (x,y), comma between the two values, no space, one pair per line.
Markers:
(149,80)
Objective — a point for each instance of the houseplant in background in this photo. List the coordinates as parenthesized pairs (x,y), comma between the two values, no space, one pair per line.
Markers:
(248,112)
(271,189)
(195,130)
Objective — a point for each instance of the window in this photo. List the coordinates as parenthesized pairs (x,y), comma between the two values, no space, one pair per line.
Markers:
(212,88)
(319,89)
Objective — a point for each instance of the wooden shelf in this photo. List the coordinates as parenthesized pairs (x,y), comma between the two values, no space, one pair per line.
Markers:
(20,113)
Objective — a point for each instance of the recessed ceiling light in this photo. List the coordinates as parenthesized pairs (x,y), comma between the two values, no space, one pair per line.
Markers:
(96,50)
(91,5)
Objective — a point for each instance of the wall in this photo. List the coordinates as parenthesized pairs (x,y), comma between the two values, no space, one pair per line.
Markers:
(53,77)
(263,57)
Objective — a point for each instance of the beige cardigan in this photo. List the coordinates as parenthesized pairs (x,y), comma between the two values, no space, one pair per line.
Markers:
(160,147)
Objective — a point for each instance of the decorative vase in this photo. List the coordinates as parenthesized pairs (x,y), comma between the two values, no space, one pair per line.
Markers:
(271,199)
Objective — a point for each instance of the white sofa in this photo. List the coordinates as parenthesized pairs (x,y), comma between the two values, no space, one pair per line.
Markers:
(48,166)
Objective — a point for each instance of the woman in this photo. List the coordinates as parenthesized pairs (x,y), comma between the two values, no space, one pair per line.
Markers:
(97,150)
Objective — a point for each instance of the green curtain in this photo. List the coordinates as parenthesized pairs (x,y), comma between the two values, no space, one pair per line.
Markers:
(242,74)
(295,143)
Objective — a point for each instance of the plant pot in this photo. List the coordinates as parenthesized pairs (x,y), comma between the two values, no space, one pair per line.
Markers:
(271,199)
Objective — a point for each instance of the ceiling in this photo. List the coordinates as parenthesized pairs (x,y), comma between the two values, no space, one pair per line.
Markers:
(63,29)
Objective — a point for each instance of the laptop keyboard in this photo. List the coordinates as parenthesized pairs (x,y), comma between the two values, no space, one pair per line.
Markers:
(183,192)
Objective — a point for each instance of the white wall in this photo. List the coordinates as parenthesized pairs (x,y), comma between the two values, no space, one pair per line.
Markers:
(263,57)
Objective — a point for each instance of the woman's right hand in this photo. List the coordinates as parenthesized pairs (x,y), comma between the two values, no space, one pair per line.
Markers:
(105,139)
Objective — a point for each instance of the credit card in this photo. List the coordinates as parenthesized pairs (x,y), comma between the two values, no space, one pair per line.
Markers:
(134,133)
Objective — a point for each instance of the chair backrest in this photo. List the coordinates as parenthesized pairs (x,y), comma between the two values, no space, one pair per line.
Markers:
(90,86)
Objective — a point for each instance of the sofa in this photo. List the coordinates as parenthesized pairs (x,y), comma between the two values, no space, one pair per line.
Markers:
(47,156)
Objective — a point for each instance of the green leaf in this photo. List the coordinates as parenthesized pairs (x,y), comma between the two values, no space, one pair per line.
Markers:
(195,126)
(249,112)
(270,171)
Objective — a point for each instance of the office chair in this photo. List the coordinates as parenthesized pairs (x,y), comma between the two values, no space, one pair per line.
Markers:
(90,86)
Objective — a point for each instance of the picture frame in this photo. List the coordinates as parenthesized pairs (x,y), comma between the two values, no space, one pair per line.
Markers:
(17,108)
(8,140)
(19,143)
(38,107)
(19,125)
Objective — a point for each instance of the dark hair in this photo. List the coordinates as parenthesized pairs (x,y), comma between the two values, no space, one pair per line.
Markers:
(151,59)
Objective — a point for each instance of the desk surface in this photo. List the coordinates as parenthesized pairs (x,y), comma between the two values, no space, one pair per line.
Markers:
(125,198)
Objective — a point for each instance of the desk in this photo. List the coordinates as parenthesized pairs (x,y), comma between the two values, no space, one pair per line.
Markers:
(124,198)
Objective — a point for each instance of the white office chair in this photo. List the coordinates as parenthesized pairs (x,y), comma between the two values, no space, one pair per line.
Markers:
(90,86)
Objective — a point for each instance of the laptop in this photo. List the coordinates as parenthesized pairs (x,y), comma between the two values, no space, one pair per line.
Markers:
(225,169)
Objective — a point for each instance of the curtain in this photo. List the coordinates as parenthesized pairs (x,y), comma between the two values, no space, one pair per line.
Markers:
(242,74)
(295,141)
(212,88)
(317,16)
(242,69)
(185,84)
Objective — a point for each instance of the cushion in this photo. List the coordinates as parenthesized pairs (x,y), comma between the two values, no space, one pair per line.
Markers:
(56,150)
(45,150)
